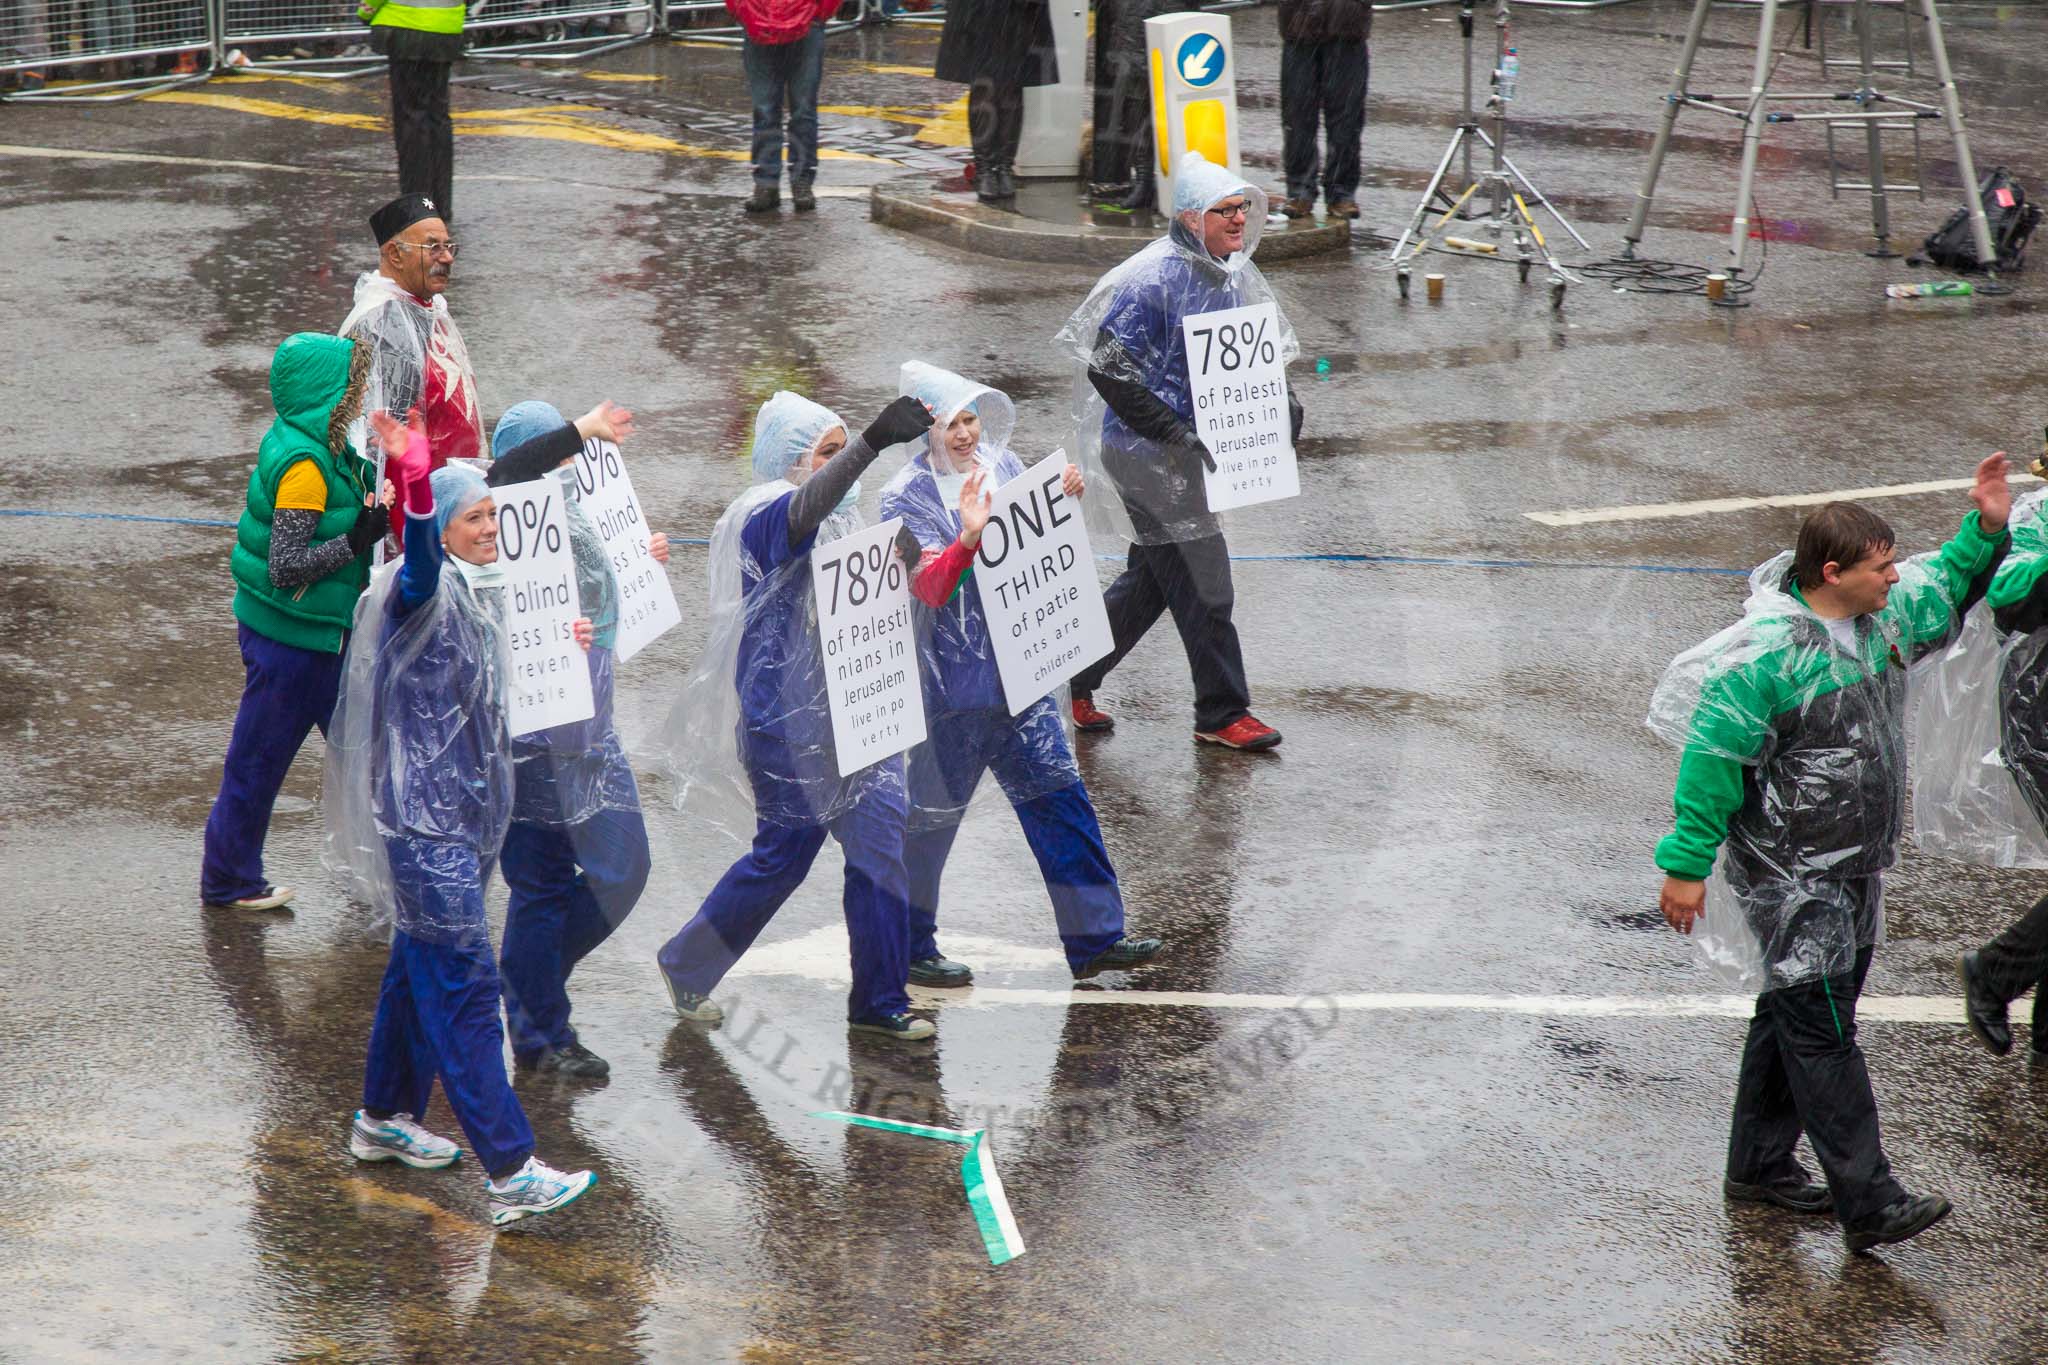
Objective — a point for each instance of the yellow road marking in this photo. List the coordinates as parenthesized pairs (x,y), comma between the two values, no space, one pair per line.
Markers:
(949,129)
(550,125)
(896,70)
(616,76)
(244,104)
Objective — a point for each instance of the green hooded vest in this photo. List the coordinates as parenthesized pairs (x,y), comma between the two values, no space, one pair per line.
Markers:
(308,376)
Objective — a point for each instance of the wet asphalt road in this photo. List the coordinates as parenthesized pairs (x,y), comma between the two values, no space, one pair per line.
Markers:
(1464,806)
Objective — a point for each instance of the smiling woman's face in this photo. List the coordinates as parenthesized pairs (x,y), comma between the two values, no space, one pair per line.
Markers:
(472,535)
(960,438)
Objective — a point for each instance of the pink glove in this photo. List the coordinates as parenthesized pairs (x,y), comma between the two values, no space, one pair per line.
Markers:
(412,476)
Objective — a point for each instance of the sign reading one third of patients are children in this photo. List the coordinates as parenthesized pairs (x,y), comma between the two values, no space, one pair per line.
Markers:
(864,628)
(1035,575)
(550,677)
(1238,381)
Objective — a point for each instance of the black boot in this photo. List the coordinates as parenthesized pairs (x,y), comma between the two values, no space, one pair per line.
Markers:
(986,186)
(765,199)
(1141,195)
(1006,181)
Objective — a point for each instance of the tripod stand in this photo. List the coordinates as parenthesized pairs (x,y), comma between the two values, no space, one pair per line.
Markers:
(1510,212)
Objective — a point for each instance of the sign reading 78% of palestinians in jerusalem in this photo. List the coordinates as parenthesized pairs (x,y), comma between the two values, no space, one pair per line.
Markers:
(1239,387)
(870,646)
(550,680)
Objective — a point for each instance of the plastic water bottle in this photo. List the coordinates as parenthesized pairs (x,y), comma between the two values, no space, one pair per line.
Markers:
(1510,67)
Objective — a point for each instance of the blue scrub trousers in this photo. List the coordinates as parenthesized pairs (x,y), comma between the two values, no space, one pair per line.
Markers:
(754,888)
(437,1014)
(570,888)
(1025,753)
(286,691)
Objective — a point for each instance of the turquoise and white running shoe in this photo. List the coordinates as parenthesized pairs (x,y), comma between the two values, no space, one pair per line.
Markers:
(398,1138)
(535,1188)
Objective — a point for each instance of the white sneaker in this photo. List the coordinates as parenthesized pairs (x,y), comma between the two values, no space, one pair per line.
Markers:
(535,1188)
(276,898)
(691,1005)
(398,1138)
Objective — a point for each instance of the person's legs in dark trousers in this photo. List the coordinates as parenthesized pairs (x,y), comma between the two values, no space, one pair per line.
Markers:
(941,774)
(423,132)
(2013,963)
(399,1075)
(877,905)
(1109,159)
(765,77)
(982,124)
(1134,601)
(1066,839)
(740,906)
(286,691)
(1345,68)
(1301,91)
(1009,102)
(805,73)
(1812,1056)
(570,889)
(1195,577)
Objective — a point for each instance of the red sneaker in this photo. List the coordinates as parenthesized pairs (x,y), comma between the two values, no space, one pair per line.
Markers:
(1246,732)
(1086,717)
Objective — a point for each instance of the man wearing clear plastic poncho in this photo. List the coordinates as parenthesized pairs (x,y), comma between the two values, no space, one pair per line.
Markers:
(1137,432)
(750,739)
(1980,772)
(1792,726)
(942,495)
(575,855)
(417,796)
(417,356)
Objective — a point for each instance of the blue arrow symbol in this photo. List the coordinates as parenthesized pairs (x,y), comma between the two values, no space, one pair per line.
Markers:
(1194,67)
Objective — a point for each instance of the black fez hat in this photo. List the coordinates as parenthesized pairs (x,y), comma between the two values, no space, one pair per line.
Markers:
(400,214)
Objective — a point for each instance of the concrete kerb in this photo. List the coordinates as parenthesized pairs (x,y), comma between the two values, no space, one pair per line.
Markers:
(914,204)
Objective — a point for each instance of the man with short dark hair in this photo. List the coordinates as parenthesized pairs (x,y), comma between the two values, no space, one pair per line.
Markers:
(1792,723)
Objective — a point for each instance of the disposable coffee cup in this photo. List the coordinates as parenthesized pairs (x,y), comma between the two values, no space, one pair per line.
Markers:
(1435,285)
(1717,288)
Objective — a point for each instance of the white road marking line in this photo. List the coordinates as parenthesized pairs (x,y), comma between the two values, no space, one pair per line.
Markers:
(1657,511)
(820,956)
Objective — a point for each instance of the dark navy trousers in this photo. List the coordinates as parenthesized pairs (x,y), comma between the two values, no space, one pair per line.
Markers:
(754,888)
(570,888)
(286,691)
(437,1015)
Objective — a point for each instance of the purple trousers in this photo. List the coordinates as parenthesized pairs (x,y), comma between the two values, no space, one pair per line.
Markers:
(286,691)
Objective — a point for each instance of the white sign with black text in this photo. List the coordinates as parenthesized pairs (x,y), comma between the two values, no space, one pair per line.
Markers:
(1035,573)
(1239,386)
(647,603)
(870,646)
(550,682)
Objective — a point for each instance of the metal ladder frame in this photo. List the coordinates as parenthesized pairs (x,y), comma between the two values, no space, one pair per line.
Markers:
(1875,112)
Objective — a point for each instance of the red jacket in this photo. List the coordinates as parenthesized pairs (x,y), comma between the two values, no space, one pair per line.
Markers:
(780,21)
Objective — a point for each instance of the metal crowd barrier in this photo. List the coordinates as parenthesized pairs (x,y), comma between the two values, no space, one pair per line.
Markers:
(100,49)
(558,30)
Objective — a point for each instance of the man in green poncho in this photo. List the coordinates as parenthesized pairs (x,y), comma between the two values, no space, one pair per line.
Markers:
(301,558)
(1792,723)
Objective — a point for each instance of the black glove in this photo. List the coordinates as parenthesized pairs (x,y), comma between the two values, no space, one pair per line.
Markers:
(1296,415)
(909,546)
(371,524)
(906,419)
(1191,441)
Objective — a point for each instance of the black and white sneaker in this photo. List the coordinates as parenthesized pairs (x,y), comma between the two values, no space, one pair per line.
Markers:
(904,1028)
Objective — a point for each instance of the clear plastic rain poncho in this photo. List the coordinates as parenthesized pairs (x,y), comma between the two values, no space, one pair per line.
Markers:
(418,361)
(967,718)
(1129,329)
(1803,743)
(1980,724)
(417,750)
(750,737)
(569,773)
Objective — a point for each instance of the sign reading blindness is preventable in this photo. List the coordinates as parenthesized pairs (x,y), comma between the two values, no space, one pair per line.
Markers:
(550,682)
(1239,386)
